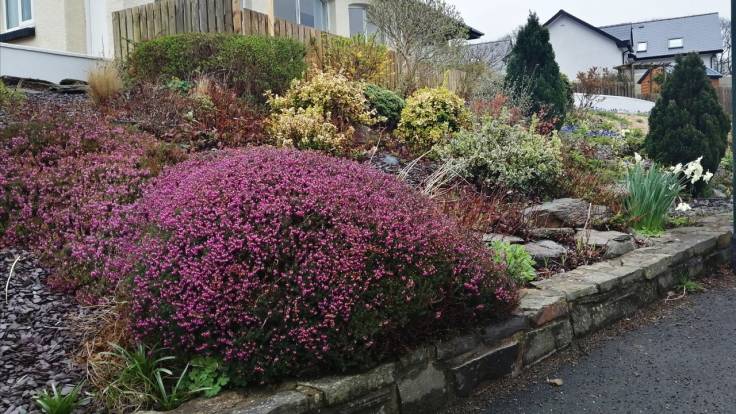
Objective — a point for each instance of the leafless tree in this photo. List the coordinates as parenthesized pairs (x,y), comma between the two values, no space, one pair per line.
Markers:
(424,33)
(724,59)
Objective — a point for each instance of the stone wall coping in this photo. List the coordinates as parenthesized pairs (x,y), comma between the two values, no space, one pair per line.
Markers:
(551,314)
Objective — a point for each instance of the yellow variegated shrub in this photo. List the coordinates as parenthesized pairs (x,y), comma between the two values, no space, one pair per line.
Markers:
(431,116)
(319,113)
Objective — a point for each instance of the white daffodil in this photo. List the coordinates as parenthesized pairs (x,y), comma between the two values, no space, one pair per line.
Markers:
(637,158)
(683,207)
(707,177)
(677,169)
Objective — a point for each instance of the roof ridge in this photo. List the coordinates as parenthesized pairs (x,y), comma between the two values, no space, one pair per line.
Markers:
(656,20)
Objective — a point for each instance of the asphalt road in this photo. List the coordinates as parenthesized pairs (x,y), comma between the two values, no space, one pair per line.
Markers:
(684,362)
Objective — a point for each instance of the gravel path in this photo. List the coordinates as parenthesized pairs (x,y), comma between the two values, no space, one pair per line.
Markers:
(680,362)
(34,342)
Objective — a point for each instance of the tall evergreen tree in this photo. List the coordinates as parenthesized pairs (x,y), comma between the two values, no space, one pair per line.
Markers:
(532,62)
(688,122)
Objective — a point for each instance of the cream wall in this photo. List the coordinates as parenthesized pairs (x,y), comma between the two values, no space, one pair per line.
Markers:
(59,24)
(578,48)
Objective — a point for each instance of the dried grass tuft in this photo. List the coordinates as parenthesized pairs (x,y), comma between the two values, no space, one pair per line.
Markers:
(105,83)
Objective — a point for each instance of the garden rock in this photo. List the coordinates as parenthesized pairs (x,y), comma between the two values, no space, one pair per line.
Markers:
(493,237)
(567,212)
(545,250)
(552,233)
(615,243)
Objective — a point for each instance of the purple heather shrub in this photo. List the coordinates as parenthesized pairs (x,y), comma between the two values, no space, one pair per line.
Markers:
(285,263)
(65,176)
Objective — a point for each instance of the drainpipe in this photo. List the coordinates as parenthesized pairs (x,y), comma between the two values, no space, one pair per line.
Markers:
(733,134)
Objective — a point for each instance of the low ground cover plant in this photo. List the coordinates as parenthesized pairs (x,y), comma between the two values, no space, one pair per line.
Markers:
(62,177)
(320,113)
(251,65)
(430,117)
(519,264)
(313,264)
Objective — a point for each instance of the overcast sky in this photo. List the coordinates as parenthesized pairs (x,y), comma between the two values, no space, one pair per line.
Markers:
(496,18)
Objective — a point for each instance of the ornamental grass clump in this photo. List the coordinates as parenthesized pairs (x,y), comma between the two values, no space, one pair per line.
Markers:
(286,263)
(652,191)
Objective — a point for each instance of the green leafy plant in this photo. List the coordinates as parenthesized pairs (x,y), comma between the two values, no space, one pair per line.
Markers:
(56,403)
(430,116)
(206,375)
(688,122)
(519,264)
(386,103)
(511,155)
(145,378)
(652,191)
(688,285)
(179,85)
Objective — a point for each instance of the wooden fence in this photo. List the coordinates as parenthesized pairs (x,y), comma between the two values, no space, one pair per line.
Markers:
(167,17)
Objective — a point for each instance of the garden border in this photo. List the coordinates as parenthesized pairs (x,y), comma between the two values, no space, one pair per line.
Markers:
(549,318)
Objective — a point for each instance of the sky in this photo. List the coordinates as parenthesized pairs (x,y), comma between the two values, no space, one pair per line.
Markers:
(496,18)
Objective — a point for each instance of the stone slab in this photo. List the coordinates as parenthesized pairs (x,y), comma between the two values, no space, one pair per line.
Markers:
(490,364)
(338,390)
(542,306)
(547,340)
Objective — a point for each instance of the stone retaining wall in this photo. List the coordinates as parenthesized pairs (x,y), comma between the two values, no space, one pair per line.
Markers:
(549,318)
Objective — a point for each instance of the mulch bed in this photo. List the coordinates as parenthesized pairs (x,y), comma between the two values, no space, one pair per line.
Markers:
(36,345)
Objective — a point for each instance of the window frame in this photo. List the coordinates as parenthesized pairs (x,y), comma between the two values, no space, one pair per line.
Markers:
(639,46)
(22,24)
(364,8)
(680,39)
(325,18)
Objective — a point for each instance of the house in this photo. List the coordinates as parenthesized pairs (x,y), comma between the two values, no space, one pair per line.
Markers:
(85,26)
(493,53)
(651,83)
(640,46)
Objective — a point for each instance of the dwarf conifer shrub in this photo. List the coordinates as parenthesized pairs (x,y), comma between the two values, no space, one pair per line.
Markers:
(285,263)
(688,122)
(387,104)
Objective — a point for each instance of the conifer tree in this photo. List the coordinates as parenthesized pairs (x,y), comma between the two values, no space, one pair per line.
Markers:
(532,62)
(687,121)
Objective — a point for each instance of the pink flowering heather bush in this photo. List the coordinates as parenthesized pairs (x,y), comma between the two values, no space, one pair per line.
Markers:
(64,176)
(285,263)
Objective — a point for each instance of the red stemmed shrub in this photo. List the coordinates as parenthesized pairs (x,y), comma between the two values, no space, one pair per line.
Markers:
(285,263)
(64,175)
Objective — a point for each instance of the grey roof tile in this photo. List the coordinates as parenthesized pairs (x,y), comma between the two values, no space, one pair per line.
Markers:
(700,33)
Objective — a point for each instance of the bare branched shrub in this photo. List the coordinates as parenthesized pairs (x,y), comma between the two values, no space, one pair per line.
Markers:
(105,83)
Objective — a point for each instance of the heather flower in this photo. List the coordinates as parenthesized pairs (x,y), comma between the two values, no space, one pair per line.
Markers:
(286,263)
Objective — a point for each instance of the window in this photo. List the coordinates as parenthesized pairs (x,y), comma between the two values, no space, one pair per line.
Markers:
(676,43)
(641,47)
(17,13)
(359,24)
(312,13)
